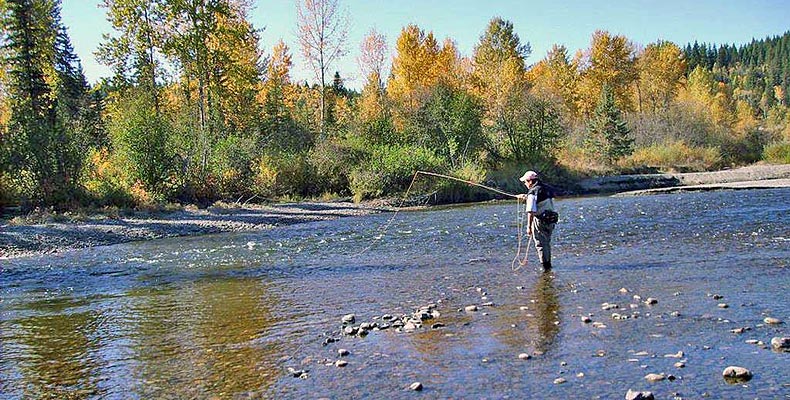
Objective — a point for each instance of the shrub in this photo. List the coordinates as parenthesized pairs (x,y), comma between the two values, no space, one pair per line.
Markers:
(105,181)
(777,153)
(390,169)
(675,155)
(283,175)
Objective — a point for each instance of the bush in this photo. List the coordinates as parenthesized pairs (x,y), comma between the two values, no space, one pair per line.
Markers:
(283,175)
(333,162)
(390,169)
(777,153)
(105,181)
(233,162)
(675,155)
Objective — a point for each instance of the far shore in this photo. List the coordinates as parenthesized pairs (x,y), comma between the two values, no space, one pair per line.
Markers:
(22,240)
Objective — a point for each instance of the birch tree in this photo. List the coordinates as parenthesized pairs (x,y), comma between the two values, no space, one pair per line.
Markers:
(323,30)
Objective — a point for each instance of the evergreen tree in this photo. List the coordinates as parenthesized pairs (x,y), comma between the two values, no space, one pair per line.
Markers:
(46,87)
(608,134)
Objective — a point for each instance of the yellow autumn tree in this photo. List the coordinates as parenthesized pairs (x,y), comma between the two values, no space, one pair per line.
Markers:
(609,61)
(661,68)
(499,71)
(556,77)
(373,51)
(419,64)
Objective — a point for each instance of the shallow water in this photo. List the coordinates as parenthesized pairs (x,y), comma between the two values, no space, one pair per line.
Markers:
(224,316)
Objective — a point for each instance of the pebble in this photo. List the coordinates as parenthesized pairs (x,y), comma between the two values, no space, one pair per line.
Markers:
(675,313)
(343,352)
(717,297)
(341,363)
(737,373)
(772,321)
(472,308)
(523,308)
(679,354)
(586,319)
(680,364)
(752,341)
(416,386)
(580,375)
(738,330)
(437,325)
(650,301)
(524,356)
(297,373)
(781,343)
(609,306)
(634,395)
(559,381)
(348,319)
(623,290)
(655,377)
(723,305)
(350,330)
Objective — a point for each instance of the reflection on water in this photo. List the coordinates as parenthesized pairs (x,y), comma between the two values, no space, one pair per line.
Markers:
(547,308)
(224,316)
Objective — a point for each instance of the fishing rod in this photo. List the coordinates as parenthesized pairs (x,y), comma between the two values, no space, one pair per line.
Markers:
(519,222)
(467,182)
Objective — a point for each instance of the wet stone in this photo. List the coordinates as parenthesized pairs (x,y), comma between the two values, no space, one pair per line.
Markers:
(348,319)
(723,305)
(560,381)
(472,308)
(634,395)
(416,386)
(437,325)
(350,330)
(651,301)
(524,356)
(772,321)
(343,352)
(341,363)
(735,374)
(586,319)
(655,377)
(781,343)
(680,364)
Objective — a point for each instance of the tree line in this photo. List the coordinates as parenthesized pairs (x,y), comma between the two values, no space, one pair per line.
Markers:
(196,112)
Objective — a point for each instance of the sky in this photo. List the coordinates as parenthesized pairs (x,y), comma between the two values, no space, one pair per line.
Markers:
(542,23)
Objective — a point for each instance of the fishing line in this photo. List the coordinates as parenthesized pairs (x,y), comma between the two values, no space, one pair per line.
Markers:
(519,217)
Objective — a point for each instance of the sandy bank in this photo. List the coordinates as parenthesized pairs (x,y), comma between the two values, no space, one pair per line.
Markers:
(647,183)
(100,230)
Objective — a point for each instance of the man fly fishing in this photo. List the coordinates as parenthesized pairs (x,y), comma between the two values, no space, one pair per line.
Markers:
(541,217)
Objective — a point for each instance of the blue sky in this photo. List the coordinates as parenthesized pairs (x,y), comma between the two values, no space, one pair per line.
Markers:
(541,23)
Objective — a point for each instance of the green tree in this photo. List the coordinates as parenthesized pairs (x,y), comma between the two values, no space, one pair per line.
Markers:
(608,134)
(46,90)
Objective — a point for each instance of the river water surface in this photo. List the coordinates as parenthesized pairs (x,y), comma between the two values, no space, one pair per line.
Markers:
(225,316)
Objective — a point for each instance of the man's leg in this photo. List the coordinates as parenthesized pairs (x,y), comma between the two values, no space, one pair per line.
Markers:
(542,237)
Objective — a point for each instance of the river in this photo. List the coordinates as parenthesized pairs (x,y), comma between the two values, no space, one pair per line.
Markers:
(225,316)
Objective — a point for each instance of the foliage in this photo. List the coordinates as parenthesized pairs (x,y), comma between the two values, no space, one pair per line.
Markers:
(390,169)
(608,133)
(674,156)
(141,140)
(777,153)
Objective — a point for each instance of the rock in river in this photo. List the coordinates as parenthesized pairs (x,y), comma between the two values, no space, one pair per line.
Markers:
(772,321)
(416,386)
(733,374)
(655,377)
(634,395)
(470,308)
(781,343)
(348,319)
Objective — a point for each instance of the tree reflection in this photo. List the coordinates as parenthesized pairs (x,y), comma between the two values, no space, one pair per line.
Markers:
(201,340)
(547,308)
(55,352)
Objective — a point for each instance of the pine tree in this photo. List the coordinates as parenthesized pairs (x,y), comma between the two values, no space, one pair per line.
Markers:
(608,134)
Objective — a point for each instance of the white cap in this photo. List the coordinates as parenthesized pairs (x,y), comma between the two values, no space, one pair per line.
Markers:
(529,176)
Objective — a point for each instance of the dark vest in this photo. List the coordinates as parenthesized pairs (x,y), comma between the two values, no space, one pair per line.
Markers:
(541,191)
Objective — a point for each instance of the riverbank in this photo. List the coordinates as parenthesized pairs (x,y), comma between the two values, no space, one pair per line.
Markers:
(20,240)
(26,239)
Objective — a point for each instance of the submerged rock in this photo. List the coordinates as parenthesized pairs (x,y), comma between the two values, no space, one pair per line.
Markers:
(781,343)
(772,321)
(343,352)
(634,395)
(348,319)
(734,374)
(655,377)
(471,308)
(524,356)
(416,386)
(560,381)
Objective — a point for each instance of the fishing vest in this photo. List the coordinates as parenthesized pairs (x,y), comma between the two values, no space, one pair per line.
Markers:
(543,196)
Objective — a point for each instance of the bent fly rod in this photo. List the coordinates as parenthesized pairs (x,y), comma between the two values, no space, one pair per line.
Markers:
(521,262)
